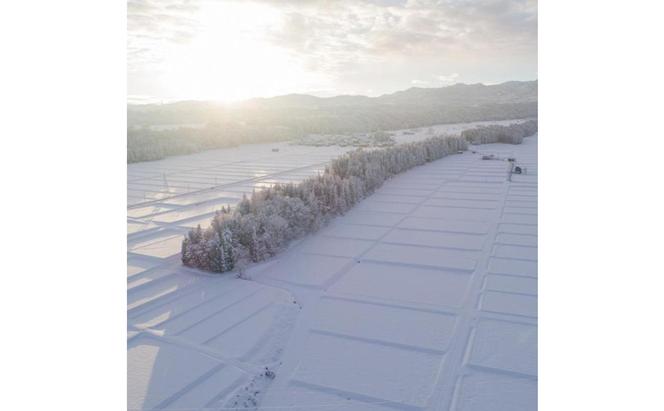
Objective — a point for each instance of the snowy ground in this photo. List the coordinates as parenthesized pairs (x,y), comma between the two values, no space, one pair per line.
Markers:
(422,297)
(403,136)
(186,180)
(182,180)
(397,136)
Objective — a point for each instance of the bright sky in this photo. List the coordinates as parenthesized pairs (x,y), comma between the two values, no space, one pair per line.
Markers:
(230,50)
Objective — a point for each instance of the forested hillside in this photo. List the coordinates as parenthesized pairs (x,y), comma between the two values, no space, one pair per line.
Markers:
(197,126)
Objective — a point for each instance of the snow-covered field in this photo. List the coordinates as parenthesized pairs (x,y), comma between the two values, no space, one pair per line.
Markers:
(395,136)
(421,133)
(186,180)
(173,181)
(423,297)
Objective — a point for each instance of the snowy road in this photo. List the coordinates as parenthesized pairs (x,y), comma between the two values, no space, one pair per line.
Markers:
(423,297)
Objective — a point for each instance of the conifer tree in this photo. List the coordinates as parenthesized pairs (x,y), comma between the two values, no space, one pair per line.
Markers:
(260,225)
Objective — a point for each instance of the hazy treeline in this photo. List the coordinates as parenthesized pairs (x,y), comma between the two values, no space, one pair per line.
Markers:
(145,144)
(511,134)
(376,139)
(296,116)
(260,226)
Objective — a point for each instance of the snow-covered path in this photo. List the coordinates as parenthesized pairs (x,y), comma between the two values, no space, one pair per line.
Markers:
(423,297)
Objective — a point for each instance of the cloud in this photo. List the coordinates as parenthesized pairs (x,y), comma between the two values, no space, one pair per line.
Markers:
(153,23)
(332,33)
(440,80)
(364,30)
(447,80)
(357,44)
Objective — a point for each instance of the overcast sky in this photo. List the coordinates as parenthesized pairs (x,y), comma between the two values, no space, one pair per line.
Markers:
(230,50)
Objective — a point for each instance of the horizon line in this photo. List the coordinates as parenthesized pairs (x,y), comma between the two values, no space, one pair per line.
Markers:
(155,101)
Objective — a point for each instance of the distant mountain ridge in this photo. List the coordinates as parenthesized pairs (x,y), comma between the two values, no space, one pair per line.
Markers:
(457,94)
(158,130)
(510,92)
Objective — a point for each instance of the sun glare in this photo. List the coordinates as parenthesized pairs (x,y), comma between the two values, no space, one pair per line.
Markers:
(231,57)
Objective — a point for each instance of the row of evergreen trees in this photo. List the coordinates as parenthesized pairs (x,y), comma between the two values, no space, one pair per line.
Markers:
(512,134)
(260,226)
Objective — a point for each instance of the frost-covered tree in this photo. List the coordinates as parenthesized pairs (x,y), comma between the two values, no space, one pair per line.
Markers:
(264,223)
(511,134)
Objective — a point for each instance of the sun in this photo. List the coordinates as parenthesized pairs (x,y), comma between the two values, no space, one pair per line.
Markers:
(232,56)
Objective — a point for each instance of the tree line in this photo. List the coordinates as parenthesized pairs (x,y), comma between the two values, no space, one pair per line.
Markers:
(511,134)
(262,126)
(146,144)
(263,224)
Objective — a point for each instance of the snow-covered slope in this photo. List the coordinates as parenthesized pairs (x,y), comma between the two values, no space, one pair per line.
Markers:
(422,297)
